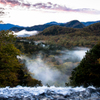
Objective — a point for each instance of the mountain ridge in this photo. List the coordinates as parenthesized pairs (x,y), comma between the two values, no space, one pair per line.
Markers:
(7,26)
(93,29)
(89,22)
(71,24)
(74,24)
(17,28)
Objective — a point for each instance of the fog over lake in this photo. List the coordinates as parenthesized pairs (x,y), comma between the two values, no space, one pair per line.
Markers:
(43,68)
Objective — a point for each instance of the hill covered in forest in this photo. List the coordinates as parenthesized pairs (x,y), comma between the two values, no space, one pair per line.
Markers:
(69,37)
(74,24)
(93,29)
(57,30)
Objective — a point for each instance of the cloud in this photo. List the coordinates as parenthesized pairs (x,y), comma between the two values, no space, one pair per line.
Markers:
(47,6)
(10,2)
(25,33)
(2,11)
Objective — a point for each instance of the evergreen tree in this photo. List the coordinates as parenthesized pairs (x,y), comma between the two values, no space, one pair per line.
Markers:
(88,71)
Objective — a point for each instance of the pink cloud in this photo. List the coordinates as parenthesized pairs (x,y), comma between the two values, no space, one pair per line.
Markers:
(47,6)
(26,5)
(12,3)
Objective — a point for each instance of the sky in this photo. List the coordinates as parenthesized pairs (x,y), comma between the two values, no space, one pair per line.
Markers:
(36,12)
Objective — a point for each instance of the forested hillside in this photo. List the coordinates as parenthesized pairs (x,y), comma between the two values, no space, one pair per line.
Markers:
(57,30)
(70,37)
(74,24)
(12,71)
(93,29)
(88,71)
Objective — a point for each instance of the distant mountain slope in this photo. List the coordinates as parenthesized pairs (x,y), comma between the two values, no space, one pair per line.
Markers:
(54,23)
(36,27)
(73,24)
(89,23)
(7,26)
(17,29)
(84,23)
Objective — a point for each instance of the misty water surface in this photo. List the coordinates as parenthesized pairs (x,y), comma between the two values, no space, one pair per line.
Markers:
(54,69)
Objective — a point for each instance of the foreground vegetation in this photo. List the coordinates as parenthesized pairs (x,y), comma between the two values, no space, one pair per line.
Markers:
(88,71)
(12,71)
